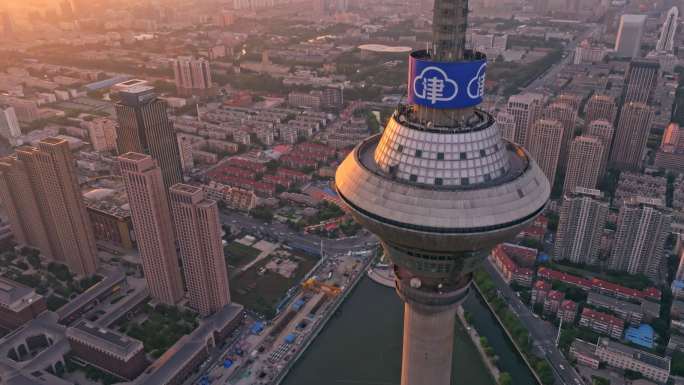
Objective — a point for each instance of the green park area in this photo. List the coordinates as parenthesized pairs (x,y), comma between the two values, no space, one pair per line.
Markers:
(262,292)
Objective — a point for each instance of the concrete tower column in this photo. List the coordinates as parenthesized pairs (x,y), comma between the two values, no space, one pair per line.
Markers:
(428,345)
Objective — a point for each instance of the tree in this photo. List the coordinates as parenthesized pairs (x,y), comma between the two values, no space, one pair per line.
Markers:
(505,379)
(301,139)
(489,351)
(272,165)
(469,317)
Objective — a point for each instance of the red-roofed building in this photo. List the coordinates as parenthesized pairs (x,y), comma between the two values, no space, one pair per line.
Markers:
(540,222)
(540,291)
(324,196)
(567,311)
(259,188)
(276,180)
(553,301)
(622,292)
(602,323)
(295,176)
(234,171)
(342,153)
(308,155)
(331,227)
(508,270)
(521,255)
(256,167)
(652,292)
(296,162)
(317,148)
(531,233)
(547,274)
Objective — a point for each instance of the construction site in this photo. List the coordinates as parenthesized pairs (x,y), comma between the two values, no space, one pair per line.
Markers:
(268,346)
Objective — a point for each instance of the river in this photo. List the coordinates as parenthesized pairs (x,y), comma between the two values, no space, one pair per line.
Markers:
(362,345)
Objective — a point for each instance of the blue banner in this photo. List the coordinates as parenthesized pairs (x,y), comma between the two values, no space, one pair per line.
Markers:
(446,85)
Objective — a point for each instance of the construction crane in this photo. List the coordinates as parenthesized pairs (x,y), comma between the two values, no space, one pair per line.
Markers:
(328,290)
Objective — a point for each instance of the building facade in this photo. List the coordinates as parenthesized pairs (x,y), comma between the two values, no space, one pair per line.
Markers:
(193,77)
(631,137)
(19,304)
(630,34)
(199,237)
(545,145)
(621,356)
(584,164)
(153,226)
(9,124)
(526,109)
(580,228)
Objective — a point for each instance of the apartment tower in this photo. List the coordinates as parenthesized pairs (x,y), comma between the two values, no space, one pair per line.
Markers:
(507,124)
(527,109)
(41,194)
(545,145)
(199,237)
(631,137)
(565,115)
(643,227)
(599,107)
(8,25)
(603,130)
(193,77)
(153,226)
(144,128)
(584,165)
(640,82)
(580,228)
(9,125)
(667,34)
(630,34)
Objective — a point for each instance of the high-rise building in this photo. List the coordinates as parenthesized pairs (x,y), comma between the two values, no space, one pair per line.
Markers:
(41,194)
(33,16)
(9,125)
(204,263)
(102,134)
(666,41)
(630,34)
(584,164)
(507,124)
(333,96)
(320,6)
(145,128)
(603,130)
(153,226)
(527,109)
(51,15)
(67,10)
(580,228)
(342,5)
(631,137)
(565,115)
(572,99)
(422,184)
(171,14)
(609,19)
(185,149)
(193,77)
(545,145)
(643,227)
(128,37)
(8,22)
(640,82)
(25,110)
(541,7)
(599,107)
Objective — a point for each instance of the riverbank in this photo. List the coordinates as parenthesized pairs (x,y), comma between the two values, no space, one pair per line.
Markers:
(383,277)
(493,370)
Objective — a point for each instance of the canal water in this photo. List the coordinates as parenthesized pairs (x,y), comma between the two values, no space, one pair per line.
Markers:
(362,345)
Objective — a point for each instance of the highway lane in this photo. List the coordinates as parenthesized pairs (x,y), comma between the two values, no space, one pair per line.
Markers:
(543,332)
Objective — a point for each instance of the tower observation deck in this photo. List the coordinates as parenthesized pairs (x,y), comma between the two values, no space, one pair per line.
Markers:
(440,187)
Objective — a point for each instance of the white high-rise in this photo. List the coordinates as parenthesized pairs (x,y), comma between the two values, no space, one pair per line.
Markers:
(630,35)
(666,41)
(9,125)
(507,125)
(526,109)
(580,228)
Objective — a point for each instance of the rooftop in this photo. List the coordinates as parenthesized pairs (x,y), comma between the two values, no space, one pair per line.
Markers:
(106,339)
(11,291)
(611,302)
(564,277)
(602,317)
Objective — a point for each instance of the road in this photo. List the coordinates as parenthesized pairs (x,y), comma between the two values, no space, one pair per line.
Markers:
(543,332)
(313,241)
(552,73)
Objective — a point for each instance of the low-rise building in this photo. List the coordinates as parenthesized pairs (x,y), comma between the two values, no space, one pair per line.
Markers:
(624,293)
(547,274)
(234,171)
(553,301)
(276,180)
(107,350)
(295,176)
(19,304)
(629,312)
(541,222)
(310,214)
(521,255)
(622,356)
(567,311)
(259,188)
(508,270)
(584,353)
(539,292)
(296,162)
(234,197)
(677,310)
(317,148)
(299,200)
(602,323)
(327,172)
(256,167)
(676,343)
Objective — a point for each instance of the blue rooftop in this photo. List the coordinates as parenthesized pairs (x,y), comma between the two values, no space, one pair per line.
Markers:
(105,83)
(257,327)
(678,285)
(329,191)
(642,336)
(290,337)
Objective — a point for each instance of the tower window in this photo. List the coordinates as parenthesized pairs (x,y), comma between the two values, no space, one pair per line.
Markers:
(413,178)
(440,156)
(487,177)
(419,153)
(400,148)
(465,181)
(483,153)
(438,181)
(464,156)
